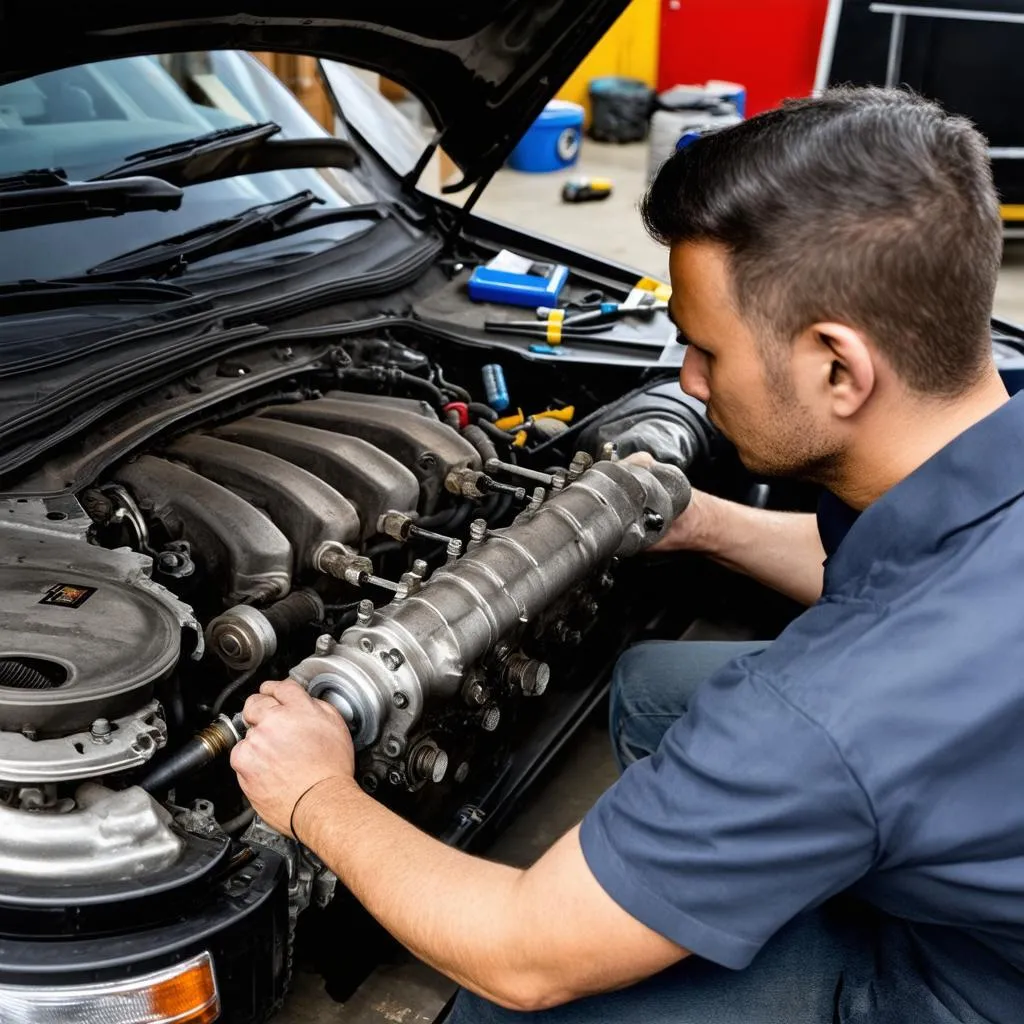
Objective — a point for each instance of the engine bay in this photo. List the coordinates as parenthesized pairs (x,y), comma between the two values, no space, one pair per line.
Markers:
(433,564)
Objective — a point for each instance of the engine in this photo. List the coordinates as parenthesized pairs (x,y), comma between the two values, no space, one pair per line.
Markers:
(388,552)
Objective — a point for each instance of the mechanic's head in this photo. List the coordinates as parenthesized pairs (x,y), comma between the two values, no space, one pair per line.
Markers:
(833,262)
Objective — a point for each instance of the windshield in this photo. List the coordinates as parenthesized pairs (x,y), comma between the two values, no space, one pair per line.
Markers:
(86,120)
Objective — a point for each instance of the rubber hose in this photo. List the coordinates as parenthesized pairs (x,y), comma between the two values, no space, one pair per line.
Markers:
(293,612)
(481,442)
(481,411)
(229,691)
(413,382)
(496,435)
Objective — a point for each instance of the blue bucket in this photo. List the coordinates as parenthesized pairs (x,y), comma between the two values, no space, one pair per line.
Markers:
(553,140)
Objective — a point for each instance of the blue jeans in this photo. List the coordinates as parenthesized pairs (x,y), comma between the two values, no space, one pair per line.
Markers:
(796,977)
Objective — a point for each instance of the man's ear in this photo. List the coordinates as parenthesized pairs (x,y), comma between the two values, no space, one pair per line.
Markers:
(844,363)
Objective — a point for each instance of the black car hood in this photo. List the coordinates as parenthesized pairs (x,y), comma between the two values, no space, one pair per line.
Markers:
(484,68)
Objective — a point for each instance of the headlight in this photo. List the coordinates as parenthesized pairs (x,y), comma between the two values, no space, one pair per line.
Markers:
(183,994)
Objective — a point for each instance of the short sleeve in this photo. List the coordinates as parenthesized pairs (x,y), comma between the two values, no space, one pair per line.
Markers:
(745,816)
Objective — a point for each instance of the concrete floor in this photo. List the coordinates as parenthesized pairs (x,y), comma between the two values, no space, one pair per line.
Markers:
(412,993)
(612,228)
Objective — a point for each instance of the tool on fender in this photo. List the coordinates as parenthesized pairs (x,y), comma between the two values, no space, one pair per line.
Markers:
(584,190)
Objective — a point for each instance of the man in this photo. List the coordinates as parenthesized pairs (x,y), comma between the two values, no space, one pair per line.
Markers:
(833,265)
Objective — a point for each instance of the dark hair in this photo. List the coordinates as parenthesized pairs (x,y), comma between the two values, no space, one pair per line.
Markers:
(871,207)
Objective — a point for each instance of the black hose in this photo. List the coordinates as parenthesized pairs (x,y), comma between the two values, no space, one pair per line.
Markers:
(216,739)
(481,442)
(230,690)
(481,412)
(460,393)
(495,434)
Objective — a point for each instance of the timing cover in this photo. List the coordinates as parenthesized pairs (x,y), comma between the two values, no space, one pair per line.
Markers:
(84,632)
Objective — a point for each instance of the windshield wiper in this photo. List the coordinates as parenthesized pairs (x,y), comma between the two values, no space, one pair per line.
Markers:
(257,224)
(32,198)
(20,297)
(192,159)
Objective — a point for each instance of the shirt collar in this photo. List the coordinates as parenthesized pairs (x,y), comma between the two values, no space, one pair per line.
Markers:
(977,473)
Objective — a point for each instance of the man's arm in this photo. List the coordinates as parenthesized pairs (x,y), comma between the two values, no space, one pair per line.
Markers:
(523,939)
(779,549)
(526,940)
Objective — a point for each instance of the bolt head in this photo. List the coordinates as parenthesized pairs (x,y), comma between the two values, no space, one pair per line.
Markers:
(395,777)
(324,643)
(393,659)
(366,644)
(369,782)
(419,566)
(230,645)
(399,699)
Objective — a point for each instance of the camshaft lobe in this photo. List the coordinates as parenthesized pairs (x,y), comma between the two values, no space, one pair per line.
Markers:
(421,646)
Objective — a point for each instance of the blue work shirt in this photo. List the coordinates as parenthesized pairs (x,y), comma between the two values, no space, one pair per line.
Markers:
(876,748)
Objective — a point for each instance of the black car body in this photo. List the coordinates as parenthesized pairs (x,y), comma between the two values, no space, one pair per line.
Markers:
(248,428)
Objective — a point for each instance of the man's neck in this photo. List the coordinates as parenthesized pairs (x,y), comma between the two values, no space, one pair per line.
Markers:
(905,439)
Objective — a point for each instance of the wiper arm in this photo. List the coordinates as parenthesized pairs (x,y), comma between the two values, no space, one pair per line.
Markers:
(21,297)
(32,198)
(257,224)
(194,159)
(248,149)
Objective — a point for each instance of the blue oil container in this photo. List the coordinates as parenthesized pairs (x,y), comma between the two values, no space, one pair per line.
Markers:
(553,140)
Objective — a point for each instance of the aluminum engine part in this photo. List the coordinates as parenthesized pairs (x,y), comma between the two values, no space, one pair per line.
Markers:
(84,634)
(107,746)
(110,837)
(382,672)
(253,555)
(309,512)
(430,448)
(370,478)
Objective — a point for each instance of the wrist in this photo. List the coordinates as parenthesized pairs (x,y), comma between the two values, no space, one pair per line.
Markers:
(311,807)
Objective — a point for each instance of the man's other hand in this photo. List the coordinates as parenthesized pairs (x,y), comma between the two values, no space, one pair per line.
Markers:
(293,743)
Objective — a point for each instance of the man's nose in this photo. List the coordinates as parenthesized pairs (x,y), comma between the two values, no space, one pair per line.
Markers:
(692,377)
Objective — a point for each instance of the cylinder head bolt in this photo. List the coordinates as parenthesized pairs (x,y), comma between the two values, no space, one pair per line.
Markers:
(528,674)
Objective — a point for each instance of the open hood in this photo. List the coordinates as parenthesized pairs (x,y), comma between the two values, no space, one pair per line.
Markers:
(483,68)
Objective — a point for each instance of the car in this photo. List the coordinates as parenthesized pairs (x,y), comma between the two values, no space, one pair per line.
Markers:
(254,425)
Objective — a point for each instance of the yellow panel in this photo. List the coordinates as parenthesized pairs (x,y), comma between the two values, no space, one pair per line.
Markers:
(629,48)
(1012,212)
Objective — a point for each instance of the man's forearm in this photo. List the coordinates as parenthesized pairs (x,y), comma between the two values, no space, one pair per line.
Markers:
(454,911)
(782,550)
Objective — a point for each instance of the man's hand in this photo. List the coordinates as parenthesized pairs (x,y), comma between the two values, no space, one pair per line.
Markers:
(294,742)
(682,535)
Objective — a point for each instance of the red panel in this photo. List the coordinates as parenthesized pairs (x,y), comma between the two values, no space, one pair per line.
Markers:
(770,46)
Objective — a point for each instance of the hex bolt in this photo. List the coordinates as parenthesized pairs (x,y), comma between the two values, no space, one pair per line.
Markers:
(324,643)
(399,699)
(610,452)
(364,612)
(101,730)
(581,462)
(490,718)
(419,566)
(392,659)
(431,763)
(529,674)
(454,551)
(366,644)
(477,532)
(393,746)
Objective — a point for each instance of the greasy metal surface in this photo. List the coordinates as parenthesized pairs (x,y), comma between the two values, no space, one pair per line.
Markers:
(251,553)
(370,478)
(430,448)
(111,836)
(305,508)
(113,646)
(421,646)
(131,742)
